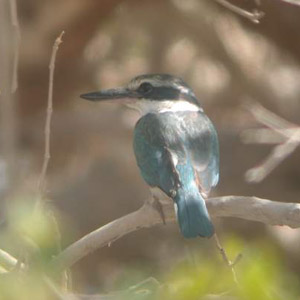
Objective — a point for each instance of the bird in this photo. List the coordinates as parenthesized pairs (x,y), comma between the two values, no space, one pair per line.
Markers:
(175,144)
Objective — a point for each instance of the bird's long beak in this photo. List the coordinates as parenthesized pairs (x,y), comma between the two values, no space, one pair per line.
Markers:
(112,94)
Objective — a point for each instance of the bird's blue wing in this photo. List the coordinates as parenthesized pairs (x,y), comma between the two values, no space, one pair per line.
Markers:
(203,147)
(186,135)
(153,154)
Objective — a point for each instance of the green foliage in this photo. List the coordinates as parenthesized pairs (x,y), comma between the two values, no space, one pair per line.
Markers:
(260,273)
(16,286)
(32,236)
(34,230)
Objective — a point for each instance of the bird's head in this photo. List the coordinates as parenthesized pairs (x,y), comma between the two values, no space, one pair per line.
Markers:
(151,93)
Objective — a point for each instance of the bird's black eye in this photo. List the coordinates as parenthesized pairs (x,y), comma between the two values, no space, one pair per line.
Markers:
(145,88)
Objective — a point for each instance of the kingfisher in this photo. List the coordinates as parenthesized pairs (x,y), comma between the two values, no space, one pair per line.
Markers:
(175,145)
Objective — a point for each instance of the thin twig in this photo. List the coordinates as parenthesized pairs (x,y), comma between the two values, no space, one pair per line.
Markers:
(228,262)
(268,136)
(249,208)
(294,2)
(17,41)
(277,155)
(268,118)
(57,42)
(254,16)
(237,259)
(287,131)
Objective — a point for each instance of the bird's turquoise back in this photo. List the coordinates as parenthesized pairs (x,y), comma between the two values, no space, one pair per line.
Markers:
(178,153)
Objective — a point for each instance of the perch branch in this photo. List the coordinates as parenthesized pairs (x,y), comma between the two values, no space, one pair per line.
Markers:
(287,135)
(253,16)
(17,41)
(249,208)
(57,42)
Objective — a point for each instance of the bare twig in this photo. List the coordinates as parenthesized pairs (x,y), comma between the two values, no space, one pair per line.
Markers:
(249,208)
(228,262)
(294,2)
(286,133)
(278,154)
(57,42)
(267,136)
(268,118)
(17,40)
(254,16)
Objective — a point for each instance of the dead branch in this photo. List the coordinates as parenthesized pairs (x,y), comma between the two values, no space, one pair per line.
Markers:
(268,118)
(254,16)
(294,2)
(57,42)
(286,133)
(277,155)
(266,135)
(249,208)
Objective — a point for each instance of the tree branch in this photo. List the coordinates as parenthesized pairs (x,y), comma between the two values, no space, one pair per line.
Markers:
(249,208)
(293,2)
(268,118)
(266,136)
(57,42)
(277,155)
(253,16)
(256,15)
(288,133)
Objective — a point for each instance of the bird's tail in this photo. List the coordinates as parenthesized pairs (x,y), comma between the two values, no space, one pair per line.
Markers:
(192,214)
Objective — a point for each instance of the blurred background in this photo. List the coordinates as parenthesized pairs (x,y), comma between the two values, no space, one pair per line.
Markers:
(92,177)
